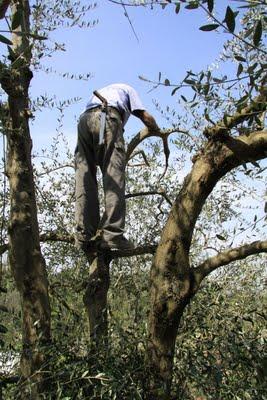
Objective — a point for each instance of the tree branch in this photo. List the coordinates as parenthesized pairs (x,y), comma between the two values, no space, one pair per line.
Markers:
(54,236)
(137,251)
(228,256)
(55,169)
(142,154)
(257,106)
(145,133)
(151,192)
(66,238)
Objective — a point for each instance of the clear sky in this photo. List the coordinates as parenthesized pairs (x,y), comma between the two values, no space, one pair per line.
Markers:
(168,43)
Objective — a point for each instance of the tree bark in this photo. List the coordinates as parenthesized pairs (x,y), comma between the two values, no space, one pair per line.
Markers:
(95,301)
(173,280)
(25,256)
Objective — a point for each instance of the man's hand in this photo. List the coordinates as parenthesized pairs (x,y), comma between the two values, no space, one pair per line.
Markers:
(148,120)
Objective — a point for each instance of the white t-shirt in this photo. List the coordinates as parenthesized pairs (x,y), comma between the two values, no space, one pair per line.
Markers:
(121,96)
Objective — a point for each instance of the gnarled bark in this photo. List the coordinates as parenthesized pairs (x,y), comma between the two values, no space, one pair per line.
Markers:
(95,300)
(25,256)
(173,280)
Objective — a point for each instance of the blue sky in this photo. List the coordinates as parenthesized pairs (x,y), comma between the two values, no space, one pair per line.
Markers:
(168,42)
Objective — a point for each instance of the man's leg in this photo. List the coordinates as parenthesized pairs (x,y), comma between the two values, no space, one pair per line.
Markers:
(86,191)
(113,170)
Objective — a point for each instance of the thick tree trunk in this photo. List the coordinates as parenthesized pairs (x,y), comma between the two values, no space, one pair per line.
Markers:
(95,301)
(25,256)
(173,281)
(171,288)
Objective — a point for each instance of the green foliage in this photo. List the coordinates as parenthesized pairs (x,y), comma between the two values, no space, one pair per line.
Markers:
(222,340)
(218,345)
(227,341)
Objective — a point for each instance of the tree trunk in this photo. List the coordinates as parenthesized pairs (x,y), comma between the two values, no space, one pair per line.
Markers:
(95,301)
(25,256)
(173,280)
(169,294)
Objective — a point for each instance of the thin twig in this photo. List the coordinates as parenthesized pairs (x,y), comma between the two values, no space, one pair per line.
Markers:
(129,20)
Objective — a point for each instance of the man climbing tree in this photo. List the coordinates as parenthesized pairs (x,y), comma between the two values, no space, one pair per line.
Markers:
(100,142)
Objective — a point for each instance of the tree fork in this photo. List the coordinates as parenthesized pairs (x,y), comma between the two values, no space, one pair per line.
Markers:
(173,280)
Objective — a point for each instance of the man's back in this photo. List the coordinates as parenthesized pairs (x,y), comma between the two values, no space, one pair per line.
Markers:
(121,96)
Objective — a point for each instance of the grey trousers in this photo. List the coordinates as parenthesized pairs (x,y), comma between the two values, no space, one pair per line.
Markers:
(111,159)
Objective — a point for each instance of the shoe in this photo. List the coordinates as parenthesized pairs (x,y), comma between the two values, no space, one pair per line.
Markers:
(117,243)
(85,246)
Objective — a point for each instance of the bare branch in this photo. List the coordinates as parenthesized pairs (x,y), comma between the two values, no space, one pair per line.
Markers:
(134,5)
(57,237)
(186,85)
(66,238)
(55,169)
(148,193)
(228,256)
(142,154)
(137,165)
(129,20)
(137,251)
(145,133)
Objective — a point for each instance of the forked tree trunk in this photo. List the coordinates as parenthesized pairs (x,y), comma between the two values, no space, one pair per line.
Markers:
(173,280)
(25,256)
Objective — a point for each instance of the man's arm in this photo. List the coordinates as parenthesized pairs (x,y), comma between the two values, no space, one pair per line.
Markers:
(147,119)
